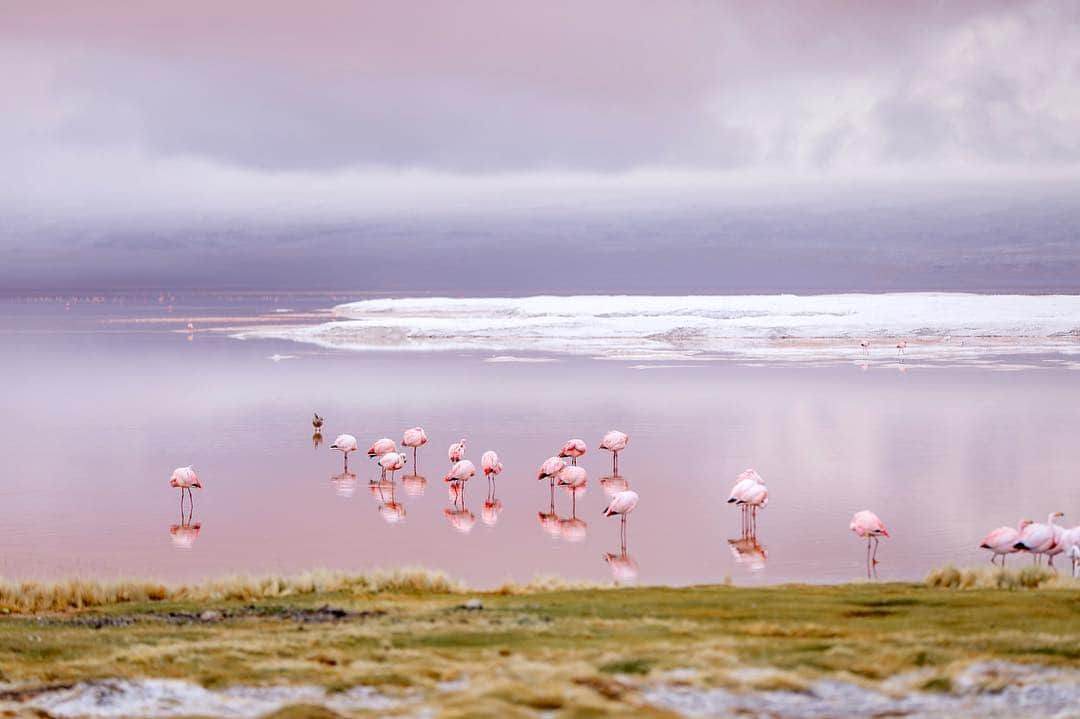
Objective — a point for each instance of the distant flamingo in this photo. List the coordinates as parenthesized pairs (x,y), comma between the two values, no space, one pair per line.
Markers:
(749,493)
(869,525)
(317,421)
(391,462)
(414,437)
(573,449)
(489,462)
(551,467)
(462,471)
(456,451)
(622,504)
(381,446)
(865,344)
(615,442)
(185,478)
(900,347)
(1040,538)
(1002,541)
(345,443)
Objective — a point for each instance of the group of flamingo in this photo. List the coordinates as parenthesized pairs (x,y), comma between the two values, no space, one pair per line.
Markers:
(1038,539)
(749,493)
(901,346)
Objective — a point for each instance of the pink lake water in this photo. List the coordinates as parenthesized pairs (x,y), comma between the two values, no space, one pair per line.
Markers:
(97,409)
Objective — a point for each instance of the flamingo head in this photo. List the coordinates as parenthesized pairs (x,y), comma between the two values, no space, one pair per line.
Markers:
(1024,523)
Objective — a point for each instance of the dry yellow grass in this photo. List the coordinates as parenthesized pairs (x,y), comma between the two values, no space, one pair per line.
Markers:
(1030,577)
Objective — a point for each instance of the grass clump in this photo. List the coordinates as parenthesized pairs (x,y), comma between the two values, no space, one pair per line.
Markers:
(1031,577)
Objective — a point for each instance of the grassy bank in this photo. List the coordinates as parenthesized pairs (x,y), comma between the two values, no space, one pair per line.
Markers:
(531,647)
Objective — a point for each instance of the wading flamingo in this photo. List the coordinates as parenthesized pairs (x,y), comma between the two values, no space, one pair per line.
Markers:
(414,437)
(865,344)
(345,443)
(1040,538)
(456,453)
(1069,545)
(551,467)
(869,525)
(749,493)
(573,478)
(185,478)
(615,442)
(573,449)
(489,462)
(381,446)
(462,471)
(622,504)
(391,462)
(317,421)
(1002,541)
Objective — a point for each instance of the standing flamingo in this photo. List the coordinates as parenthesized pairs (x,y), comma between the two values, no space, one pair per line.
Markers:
(869,525)
(456,453)
(1040,538)
(185,478)
(900,347)
(865,344)
(1002,541)
(749,493)
(550,468)
(615,442)
(574,479)
(489,462)
(622,504)
(573,449)
(414,437)
(381,446)
(345,443)
(391,462)
(462,471)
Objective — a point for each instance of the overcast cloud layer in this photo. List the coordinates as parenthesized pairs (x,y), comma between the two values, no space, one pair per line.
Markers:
(112,112)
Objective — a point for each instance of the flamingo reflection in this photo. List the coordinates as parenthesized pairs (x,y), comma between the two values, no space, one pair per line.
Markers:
(613,484)
(316,439)
(344,484)
(747,550)
(183,535)
(414,484)
(457,513)
(390,509)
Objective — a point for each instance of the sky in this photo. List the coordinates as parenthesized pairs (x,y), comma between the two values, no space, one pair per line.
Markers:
(201,143)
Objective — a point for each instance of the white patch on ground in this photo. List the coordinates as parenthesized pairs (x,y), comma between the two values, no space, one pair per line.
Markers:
(949,327)
(989,690)
(498,359)
(116,698)
(278,358)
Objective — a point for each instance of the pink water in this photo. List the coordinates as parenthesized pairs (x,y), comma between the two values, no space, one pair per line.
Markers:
(95,415)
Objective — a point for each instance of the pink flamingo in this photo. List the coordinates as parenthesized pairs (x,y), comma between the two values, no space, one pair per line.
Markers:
(1002,541)
(345,443)
(869,525)
(551,467)
(1040,538)
(414,437)
(749,493)
(900,347)
(462,471)
(865,344)
(615,442)
(573,449)
(489,462)
(457,451)
(391,462)
(381,446)
(622,504)
(185,478)
(573,478)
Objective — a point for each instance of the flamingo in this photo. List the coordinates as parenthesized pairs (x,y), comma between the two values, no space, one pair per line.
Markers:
(317,421)
(345,443)
(1002,541)
(457,451)
(574,479)
(869,525)
(900,347)
(462,471)
(622,504)
(391,462)
(185,478)
(414,437)
(865,344)
(749,493)
(381,446)
(490,463)
(551,467)
(1040,538)
(615,442)
(573,449)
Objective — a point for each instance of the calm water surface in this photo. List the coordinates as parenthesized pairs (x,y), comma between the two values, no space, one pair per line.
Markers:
(96,411)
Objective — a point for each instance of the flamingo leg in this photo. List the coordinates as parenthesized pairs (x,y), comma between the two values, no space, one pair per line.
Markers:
(868,552)
(876,543)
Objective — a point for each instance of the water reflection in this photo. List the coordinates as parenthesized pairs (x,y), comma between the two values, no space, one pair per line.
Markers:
(183,535)
(415,485)
(316,439)
(747,550)
(390,509)
(458,513)
(344,484)
(493,506)
(613,484)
